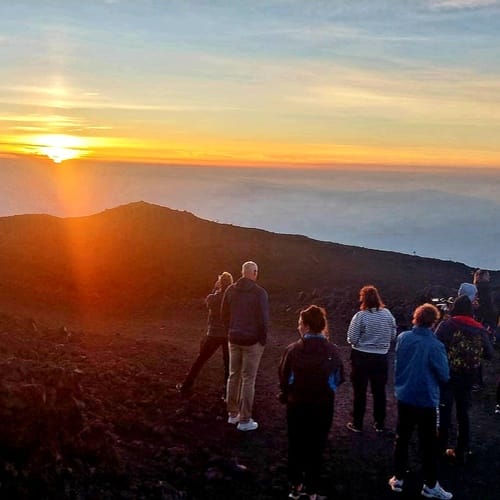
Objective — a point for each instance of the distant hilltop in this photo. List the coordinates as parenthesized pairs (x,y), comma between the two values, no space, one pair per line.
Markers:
(141,256)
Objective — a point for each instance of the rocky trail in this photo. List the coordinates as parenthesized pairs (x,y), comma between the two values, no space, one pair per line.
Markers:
(94,414)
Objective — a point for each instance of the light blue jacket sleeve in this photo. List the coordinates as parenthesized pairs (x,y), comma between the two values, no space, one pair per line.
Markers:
(440,363)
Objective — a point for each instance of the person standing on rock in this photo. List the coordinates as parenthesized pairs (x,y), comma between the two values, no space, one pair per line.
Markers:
(216,336)
(245,313)
(309,373)
(421,368)
(370,333)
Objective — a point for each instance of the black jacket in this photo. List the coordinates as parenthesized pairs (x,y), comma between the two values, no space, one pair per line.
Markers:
(245,312)
(486,312)
(215,327)
(310,370)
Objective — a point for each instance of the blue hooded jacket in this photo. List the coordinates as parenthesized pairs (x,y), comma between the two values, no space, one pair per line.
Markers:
(421,367)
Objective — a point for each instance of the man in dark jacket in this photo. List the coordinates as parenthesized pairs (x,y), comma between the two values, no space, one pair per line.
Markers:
(245,313)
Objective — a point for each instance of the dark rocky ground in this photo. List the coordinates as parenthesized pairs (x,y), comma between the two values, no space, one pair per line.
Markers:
(93,414)
(88,406)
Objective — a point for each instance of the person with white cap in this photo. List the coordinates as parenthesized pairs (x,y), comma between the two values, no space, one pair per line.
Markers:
(468,289)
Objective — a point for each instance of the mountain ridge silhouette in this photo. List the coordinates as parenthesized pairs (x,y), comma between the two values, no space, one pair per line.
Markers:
(141,256)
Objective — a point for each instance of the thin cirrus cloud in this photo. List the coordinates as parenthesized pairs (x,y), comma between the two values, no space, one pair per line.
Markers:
(66,98)
(462,4)
(442,93)
(79,104)
(331,32)
(467,100)
(283,73)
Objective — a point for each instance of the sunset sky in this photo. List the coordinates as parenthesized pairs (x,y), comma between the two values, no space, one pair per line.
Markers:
(278,82)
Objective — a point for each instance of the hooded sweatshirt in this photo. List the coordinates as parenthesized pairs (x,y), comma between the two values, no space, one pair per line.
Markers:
(421,368)
(245,313)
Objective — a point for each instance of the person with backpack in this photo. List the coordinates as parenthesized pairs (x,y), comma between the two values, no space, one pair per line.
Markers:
(309,373)
(370,333)
(466,341)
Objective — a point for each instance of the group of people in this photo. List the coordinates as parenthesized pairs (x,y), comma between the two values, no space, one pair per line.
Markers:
(436,364)
(238,321)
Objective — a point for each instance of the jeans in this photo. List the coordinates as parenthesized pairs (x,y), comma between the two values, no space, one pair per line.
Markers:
(308,428)
(208,347)
(458,390)
(425,420)
(243,365)
(373,368)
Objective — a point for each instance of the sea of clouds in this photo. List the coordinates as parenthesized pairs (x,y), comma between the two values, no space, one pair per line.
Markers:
(450,214)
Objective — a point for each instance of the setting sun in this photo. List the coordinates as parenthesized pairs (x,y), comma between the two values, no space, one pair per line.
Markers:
(59,147)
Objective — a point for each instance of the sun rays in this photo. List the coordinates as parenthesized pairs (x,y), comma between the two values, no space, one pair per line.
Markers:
(60,147)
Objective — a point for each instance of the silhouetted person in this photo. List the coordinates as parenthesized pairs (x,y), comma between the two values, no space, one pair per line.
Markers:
(370,334)
(497,407)
(466,341)
(470,290)
(421,367)
(216,336)
(245,312)
(309,373)
(486,312)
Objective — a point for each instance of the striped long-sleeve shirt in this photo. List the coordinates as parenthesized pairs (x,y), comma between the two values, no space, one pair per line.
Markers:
(372,330)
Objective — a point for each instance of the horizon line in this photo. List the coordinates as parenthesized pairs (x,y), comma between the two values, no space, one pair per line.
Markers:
(296,165)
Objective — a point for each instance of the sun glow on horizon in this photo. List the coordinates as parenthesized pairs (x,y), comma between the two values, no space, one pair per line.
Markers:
(60,147)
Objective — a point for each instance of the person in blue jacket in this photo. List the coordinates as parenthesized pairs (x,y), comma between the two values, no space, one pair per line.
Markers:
(421,368)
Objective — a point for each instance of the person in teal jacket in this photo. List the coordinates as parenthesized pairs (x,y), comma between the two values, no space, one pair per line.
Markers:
(421,368)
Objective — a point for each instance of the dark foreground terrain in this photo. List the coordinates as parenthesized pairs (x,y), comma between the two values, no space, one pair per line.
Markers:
(93,414)
(101,316)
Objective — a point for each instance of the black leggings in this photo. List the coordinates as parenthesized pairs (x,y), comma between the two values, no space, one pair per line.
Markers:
(373,368)
(308,428)
(208,347)
(458,392)
(424,419)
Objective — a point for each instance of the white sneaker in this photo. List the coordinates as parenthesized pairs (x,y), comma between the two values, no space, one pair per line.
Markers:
(251,425)
(233,420)
(297,492)
(396,484)
(436,492)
